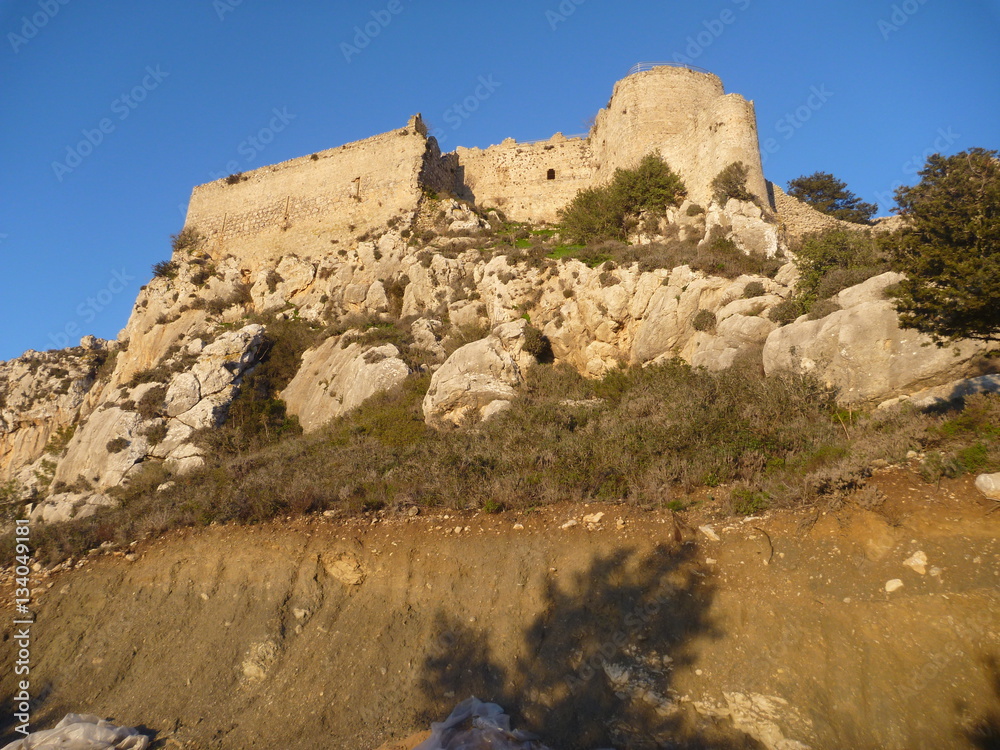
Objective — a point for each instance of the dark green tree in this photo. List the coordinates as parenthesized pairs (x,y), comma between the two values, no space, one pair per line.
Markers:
(949,248)
(731,182)
(602,213)
(827,194)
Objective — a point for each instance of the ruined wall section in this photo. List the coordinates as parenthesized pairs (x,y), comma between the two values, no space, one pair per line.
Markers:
(527,181)
(337,193)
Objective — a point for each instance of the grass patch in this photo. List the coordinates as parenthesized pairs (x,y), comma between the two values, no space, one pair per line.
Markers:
(638,435)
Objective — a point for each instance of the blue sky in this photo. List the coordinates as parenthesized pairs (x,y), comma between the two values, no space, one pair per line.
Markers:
(113,111)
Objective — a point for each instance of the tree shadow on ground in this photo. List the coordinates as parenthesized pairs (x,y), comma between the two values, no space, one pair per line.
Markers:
(984,732)
(595,668)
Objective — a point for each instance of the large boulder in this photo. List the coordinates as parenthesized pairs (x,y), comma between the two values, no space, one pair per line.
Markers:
(989,485)
(861,350)
(477,376)
(338,376)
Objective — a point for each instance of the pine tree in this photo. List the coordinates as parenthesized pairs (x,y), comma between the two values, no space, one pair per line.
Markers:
(827,194)
(950,248)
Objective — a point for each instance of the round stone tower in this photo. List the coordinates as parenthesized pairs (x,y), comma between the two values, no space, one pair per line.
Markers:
(687,117)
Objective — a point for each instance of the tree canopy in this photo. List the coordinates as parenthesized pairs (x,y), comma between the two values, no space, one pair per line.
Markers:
(827,194)
(603,212)
(949,248)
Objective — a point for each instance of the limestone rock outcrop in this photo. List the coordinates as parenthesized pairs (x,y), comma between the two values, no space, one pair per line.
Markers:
(155,419)
(861,350)
(989,485)
(338,376)
(479,379)
(42,393)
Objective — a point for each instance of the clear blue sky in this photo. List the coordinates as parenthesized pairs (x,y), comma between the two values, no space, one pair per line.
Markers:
(860,88)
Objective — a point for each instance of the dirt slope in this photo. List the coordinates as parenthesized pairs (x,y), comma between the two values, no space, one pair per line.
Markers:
(641,633)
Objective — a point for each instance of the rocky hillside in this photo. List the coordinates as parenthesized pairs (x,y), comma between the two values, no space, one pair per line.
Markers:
(465,296)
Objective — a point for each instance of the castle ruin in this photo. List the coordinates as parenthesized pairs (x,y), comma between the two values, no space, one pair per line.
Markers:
(681,113)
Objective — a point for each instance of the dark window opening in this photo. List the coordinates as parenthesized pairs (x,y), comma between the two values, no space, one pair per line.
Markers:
(551,175)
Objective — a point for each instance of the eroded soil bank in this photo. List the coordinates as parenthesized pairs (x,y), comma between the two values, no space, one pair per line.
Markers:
(640,631)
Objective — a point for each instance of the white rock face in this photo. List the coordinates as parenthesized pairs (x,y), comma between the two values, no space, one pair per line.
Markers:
(476,376)
(862,351)
(68,506)
(989,485)
(948,393)
(743,223)
(333,380)
(196,398)
(41,392)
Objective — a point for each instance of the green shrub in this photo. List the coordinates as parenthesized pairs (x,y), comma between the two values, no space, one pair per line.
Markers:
(537,344)
(189,239)
(694,210)
(754,289)
(787,311)
(731,182)
(60,439)
(604,213)
(723,258)
(235,179)
(151,403)
(165,269)
(156,433)
(704,320)
(272,279)
(835,259)
(745,502)
(117,445)
(822,308)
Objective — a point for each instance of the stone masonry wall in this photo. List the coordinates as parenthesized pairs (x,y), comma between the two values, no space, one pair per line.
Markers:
(514,177)
(344,192)
(685,116)
(352,188)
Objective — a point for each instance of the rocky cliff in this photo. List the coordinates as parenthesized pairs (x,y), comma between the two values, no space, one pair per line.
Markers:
(465,296)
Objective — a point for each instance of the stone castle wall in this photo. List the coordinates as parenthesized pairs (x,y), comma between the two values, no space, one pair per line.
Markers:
(342,192)
(527,181)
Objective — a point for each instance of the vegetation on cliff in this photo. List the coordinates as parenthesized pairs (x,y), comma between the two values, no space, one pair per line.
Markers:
(608,212)
(830,196)
(666,435)
(949,248)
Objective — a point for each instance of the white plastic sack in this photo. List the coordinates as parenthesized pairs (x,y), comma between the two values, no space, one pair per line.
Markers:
(475,725)
(82,732)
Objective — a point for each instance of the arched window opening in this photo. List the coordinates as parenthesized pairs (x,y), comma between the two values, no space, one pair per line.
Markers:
(551,175)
